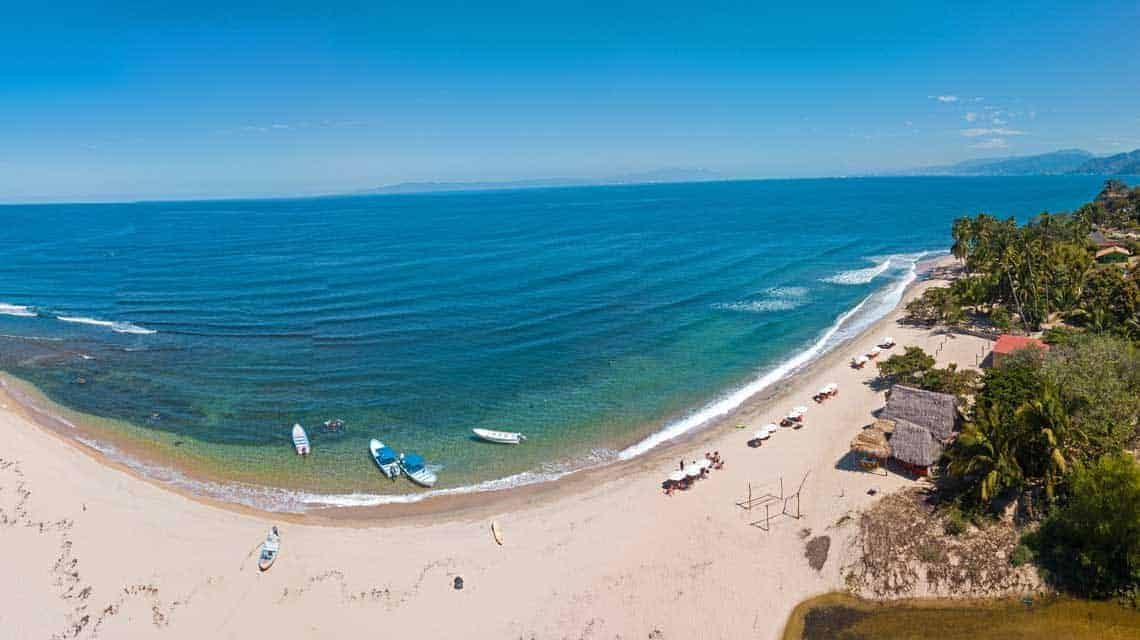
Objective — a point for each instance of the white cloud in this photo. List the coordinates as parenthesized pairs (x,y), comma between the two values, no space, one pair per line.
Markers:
(978,99)
(971,116)
(991,143)
(998,131)
(946,98)
(999,121)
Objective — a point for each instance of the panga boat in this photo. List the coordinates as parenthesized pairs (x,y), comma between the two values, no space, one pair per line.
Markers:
(300,440)
(501,437)
(269,550)
(385,458)
(413,466)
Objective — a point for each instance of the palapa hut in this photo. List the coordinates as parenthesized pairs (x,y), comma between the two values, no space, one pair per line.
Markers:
(915,447)
(871,443)
(935,412)
(884,425)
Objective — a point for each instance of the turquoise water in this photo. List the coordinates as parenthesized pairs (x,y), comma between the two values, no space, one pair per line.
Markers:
(588,318)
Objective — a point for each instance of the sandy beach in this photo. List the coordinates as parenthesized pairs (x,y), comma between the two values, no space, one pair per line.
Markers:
(94,551)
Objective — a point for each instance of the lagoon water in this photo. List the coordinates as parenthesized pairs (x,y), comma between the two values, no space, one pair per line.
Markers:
(597,320)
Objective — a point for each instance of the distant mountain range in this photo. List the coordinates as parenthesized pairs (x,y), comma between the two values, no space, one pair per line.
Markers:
(1119,164)
(1065,161)
(648,177)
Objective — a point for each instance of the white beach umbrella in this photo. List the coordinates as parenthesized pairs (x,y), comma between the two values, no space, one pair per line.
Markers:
(861,360)
(823,391)
(832,387)
(763,434)
(887,340)
(677,476)
(874,351)
(704,464)
(693,471)
(771,427)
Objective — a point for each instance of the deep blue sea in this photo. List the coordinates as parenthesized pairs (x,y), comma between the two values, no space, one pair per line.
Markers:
(597,320)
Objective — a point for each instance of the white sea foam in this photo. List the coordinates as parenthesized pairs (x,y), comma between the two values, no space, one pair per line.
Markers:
(117,327)
(846,326)
(16,310)
(774,299)
(294,501)
(861,276)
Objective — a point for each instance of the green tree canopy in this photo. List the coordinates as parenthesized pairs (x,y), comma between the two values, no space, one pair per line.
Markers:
(1091,544)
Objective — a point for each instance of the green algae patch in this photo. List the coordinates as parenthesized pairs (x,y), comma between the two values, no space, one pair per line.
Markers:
(843,617)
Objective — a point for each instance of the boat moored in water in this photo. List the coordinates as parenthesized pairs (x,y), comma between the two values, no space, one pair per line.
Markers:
(300,440)
(500,437)
(385,458)
(413,466)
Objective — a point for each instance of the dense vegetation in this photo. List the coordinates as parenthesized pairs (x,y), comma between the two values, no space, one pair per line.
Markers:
(1054,435)
(1044,271)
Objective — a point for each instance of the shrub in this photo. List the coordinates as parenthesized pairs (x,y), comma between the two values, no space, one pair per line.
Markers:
(1021,555)
(955,523)
(1090,546)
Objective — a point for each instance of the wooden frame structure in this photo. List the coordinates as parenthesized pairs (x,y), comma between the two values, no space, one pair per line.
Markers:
(769,500)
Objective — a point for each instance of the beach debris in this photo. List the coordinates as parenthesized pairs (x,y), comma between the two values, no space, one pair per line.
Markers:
(458,583)
(496,532)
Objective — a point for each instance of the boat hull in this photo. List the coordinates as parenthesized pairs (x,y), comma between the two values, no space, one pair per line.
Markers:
(498,437)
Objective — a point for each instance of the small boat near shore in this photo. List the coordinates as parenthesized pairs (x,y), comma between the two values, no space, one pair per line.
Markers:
(301,440)
(500,437)
(412,465)
(385,458)
(269,550)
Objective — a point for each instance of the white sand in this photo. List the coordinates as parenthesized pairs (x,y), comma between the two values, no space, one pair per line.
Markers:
(89,550)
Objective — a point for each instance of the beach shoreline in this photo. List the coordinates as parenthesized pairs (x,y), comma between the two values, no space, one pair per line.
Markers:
(143,461)
(604,555)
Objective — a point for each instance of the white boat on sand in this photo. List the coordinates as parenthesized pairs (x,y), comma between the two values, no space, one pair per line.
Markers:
(269,550)
(300,440)
(501,437)
(385,458)
(413,466)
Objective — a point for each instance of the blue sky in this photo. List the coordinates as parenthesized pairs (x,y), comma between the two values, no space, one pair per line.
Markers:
(173,100)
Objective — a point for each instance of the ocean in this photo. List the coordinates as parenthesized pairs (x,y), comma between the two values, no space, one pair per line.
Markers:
(600,321)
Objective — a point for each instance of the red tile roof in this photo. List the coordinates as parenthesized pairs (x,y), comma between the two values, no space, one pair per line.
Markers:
(1008,344)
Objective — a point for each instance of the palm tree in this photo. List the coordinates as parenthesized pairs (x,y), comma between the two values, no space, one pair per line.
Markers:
(983,454)
(1047,421)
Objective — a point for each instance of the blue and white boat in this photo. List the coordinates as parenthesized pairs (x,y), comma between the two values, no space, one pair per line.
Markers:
(385,458)
(413,466)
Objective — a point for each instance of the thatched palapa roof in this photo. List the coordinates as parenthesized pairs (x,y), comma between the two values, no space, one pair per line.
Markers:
(871,442)
(937,412)
(884,425)
(914,444)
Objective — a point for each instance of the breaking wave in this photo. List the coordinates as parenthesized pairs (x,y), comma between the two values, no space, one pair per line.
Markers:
(117,327)
(774,299)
